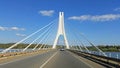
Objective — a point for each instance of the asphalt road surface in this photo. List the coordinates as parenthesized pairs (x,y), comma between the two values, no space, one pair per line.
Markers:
(51,59)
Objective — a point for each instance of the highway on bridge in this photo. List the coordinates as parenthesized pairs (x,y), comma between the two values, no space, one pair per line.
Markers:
(51,59)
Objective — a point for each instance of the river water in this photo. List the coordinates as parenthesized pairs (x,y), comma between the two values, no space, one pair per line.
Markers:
(109,54)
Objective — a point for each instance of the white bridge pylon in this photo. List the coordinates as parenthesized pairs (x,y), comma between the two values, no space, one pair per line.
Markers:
(61,31)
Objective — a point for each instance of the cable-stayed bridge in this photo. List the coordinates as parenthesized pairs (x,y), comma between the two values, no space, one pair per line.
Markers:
(46,53)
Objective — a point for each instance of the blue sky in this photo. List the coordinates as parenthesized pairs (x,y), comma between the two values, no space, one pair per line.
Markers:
(99,20)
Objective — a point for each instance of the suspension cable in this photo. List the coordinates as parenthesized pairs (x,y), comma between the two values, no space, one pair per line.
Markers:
(48,35)
(37,37)
(27,37)
(42,39)
(93,45)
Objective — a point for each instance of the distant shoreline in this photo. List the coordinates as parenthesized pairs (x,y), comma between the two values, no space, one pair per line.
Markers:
(104,48)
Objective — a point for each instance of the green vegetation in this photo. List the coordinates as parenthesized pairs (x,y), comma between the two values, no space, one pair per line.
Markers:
(106,48)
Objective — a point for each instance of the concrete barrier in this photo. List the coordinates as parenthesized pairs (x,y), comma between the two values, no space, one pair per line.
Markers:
(20,53)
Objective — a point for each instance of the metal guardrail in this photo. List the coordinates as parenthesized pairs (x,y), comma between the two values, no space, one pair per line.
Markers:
(109,58)
(103,60)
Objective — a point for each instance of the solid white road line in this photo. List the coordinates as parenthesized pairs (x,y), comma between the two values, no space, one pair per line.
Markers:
(48,60)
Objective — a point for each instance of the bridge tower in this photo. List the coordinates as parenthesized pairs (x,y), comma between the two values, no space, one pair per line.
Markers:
(61,31)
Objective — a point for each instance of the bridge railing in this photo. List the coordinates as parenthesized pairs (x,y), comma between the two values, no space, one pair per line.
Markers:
(8,54)
(103,60)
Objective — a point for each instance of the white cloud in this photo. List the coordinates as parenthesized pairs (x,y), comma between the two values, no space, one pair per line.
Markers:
(16,28)
(46,12)
(106,17)
(21,35)
(11,29)
(2,28)
(117,9)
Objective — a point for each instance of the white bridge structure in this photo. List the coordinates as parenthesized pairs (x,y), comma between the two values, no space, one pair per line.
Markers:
(44,37)
(61,31)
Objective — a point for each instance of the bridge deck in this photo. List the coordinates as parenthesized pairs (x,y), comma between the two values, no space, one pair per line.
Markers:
(51,59)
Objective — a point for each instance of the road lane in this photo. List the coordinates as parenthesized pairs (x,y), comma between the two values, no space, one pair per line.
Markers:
(51,59)
(30,62)
(64,59)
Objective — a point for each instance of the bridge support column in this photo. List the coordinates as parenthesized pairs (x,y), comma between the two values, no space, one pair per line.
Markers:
(61,31)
